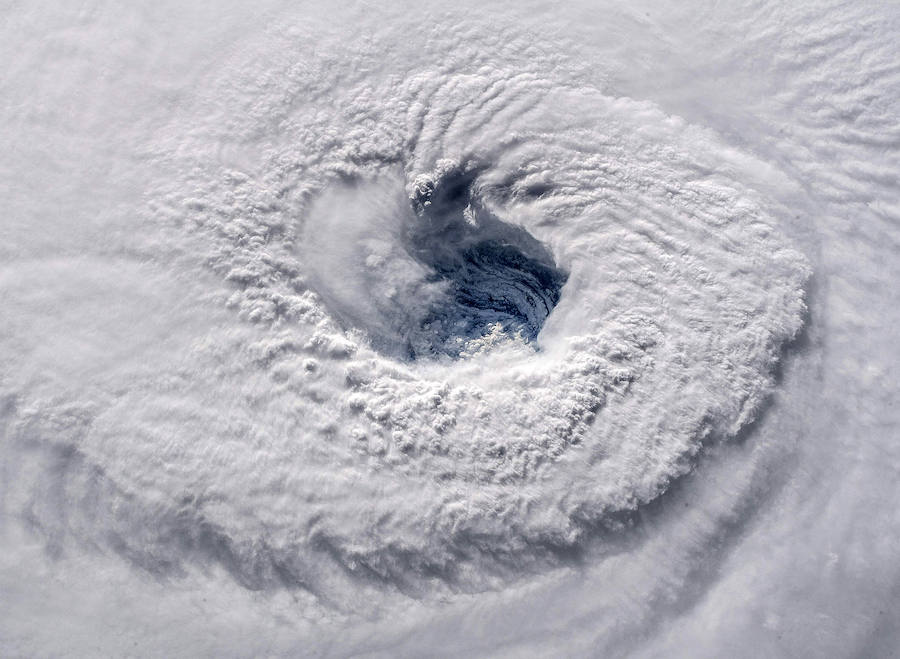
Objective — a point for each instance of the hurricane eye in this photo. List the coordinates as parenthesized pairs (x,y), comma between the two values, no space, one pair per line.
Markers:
(497,275)
(435,274)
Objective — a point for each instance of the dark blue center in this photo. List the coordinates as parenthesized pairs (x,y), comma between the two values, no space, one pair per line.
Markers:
(497,274)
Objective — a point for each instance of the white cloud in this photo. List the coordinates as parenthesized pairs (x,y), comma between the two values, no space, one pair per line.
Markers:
(207,298)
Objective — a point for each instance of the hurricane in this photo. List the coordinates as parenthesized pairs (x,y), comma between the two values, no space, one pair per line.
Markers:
(449,329)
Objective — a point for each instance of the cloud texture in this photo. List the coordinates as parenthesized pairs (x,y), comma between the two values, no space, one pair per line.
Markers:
(476,331)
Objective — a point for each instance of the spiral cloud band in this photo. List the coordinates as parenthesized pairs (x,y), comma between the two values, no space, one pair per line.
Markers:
(448,331)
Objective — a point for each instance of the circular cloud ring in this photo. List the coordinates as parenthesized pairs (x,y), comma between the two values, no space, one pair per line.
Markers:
(679,297)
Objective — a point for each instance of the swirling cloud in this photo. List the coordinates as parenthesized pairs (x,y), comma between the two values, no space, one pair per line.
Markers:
(458,317)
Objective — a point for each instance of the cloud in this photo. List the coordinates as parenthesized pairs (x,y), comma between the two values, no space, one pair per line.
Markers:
(493,335)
